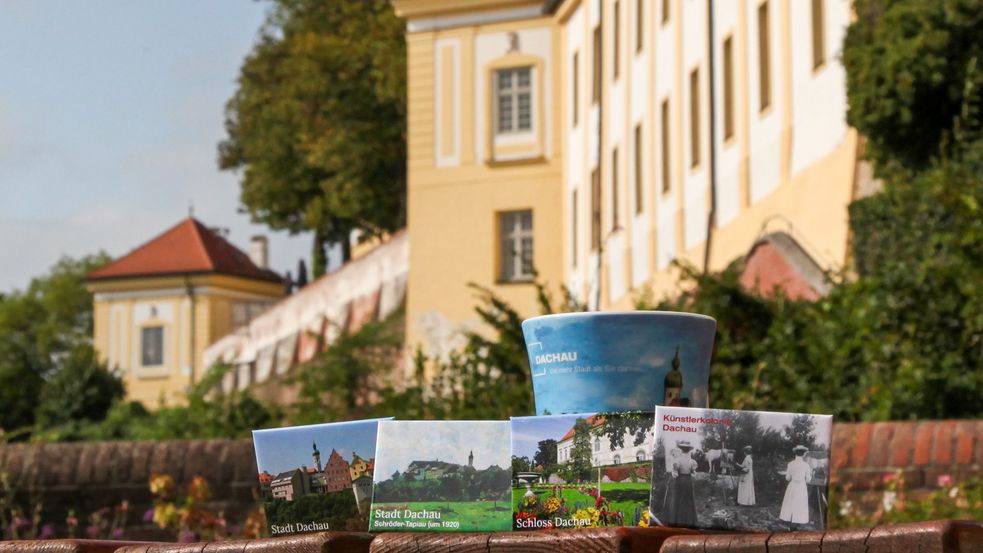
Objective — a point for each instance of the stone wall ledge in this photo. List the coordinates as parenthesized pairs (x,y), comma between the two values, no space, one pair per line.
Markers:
(941,536)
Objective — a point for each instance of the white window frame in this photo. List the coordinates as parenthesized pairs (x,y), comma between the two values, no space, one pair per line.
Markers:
(514,92)
(517,261)
(143,344)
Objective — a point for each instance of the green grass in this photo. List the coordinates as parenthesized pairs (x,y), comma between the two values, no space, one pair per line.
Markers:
(621,496)
(473,516)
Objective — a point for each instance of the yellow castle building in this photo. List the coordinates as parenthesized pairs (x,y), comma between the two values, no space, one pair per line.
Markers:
(590,143)
(158,307)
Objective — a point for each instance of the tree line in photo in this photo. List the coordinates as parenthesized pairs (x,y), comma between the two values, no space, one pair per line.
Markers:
(490,484)
(339,510)
(579,468)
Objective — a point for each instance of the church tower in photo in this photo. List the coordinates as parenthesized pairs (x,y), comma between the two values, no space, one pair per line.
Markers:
(673,383)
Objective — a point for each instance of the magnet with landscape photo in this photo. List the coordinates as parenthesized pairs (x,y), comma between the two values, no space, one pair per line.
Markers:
(581,471)
(442,476)
(618,362)
(316,477)
(755,471)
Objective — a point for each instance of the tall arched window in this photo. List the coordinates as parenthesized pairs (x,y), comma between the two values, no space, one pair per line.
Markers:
(640,456)
(617,459)
(597,445)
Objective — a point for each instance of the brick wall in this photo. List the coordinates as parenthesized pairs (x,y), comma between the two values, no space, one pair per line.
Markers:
(863,453)
(89,476)
(92,475)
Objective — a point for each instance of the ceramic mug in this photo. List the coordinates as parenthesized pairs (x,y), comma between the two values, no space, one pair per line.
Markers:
(619,361)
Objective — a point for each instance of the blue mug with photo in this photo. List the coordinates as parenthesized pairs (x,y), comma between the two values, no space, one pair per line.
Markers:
(619,361)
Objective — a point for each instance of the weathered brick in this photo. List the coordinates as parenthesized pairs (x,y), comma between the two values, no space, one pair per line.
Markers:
(231,546)
(842,445)
(318,542)
(158,458)
(66,546)
(965,440)
(943,442)
(615,540)
(924,437)
(861,445)
(924,537)
(465,542)
(140,453)
(87,460)
(795,542)
(686,544)
(748,543)
(902,444)
(880,452)
(851,540)
(195,461)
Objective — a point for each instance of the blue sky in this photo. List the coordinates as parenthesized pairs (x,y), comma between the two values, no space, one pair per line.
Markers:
(282,449)
(402,442)
(110,112)
(626,358)
(527,432)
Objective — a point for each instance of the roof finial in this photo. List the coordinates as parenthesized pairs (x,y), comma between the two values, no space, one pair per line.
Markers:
(191,208)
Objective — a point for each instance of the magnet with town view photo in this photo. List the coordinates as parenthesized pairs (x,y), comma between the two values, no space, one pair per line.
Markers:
(316,477)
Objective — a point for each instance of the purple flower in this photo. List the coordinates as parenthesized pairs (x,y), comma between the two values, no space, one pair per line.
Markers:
(47,532)
(187,536)
(149,515)
(116,534)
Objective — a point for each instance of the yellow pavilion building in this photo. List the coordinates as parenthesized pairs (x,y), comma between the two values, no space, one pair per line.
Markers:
(158,307)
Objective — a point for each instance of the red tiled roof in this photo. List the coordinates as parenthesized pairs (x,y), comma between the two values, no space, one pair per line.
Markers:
(594,421)
(187,247)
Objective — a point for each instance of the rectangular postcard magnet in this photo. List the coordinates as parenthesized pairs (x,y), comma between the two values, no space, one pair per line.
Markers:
(755,471)
(317,477)
(581,471)
(442,476)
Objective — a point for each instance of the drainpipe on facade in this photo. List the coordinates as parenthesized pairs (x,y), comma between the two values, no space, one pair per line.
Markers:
(600,158)
(712,168)
(190,290)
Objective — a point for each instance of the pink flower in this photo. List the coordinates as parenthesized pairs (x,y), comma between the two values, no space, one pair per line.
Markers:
(19,522)
(148,516)
(187,536)
(945,480)
(92,531)
(47,532)
(117,534)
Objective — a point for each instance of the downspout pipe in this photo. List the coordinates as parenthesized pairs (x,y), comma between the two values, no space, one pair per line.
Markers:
(712,134)
(190,291)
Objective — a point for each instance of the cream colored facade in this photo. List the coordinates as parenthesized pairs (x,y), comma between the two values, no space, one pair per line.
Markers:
(464,178)
(783,156)
(193,311)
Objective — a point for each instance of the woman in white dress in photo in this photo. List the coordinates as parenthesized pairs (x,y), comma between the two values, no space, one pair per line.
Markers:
(795,506)
(745,482)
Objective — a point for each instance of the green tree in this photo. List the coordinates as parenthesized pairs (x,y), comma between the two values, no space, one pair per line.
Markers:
(318,123)
(42,328)
(520,464)
(913,74)
(800,431)
(82,389)
(619,425)
(345,380)
(579,464)
(546,454)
